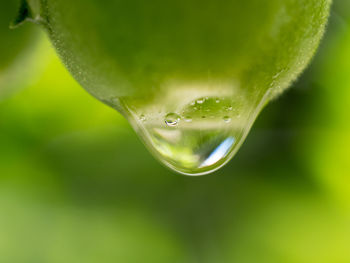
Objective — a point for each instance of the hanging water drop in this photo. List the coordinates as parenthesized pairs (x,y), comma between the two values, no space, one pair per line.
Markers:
(208,137)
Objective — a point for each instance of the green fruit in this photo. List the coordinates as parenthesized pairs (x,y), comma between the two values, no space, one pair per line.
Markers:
(156,59)
(15,46)
(125,47)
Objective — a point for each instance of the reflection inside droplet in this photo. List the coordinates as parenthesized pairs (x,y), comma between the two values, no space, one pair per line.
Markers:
(220,152)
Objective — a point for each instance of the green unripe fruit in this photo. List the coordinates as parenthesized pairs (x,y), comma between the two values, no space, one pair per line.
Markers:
(190,75)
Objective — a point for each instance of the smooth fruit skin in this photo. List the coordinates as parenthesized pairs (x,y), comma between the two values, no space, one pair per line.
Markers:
(117,48)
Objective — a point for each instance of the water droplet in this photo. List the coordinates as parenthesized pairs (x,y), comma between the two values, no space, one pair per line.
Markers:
(227,119)
(200,101)
(142,117)
(188,119)
(205,141)
(172,119)
(114,101)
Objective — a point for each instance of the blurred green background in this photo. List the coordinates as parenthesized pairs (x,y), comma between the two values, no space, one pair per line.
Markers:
(76,184)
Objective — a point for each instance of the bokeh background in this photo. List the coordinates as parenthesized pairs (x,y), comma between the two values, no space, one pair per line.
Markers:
(77,185)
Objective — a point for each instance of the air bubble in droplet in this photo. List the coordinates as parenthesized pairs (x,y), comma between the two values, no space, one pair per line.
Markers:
(227,119)
(172,119)
(114,100)
(217,100)
(142,117)
(188,119)
(200,101)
